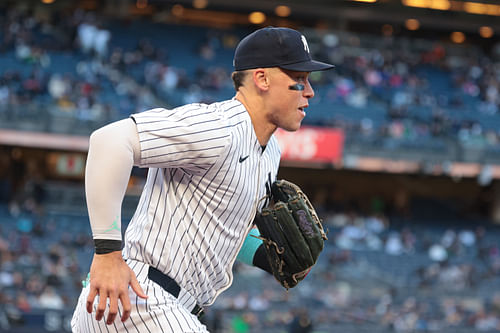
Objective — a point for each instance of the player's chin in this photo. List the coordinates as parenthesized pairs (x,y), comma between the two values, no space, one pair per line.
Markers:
(302,115)
(292,127)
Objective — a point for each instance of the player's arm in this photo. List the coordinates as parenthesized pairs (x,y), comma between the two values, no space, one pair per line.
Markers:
(113,151)
(253,252)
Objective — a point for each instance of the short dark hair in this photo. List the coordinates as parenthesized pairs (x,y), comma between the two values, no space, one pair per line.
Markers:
(238,78)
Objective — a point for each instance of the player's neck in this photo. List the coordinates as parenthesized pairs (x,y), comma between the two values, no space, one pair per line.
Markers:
(255,108)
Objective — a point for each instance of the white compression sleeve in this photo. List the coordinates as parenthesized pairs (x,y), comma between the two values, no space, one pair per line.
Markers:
(113,151)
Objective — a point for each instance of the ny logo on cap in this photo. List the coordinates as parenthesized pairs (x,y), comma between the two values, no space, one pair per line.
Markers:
(304,41)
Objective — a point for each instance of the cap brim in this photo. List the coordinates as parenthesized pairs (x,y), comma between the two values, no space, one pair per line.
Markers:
(308,66)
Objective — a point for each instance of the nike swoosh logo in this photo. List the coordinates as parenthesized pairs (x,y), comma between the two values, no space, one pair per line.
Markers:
(243,158)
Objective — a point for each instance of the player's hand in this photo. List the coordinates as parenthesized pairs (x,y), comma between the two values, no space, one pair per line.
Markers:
(110,277)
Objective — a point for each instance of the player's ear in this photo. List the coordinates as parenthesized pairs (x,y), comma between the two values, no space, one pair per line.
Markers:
(261,78)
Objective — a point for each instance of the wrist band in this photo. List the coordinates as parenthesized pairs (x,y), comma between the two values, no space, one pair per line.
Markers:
(249,247)
(260,259)
(103,246)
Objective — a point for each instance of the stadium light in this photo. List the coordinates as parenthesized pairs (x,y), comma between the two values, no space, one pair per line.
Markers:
(200,4)
(481,8)
(416,3)
(475,8)
(440,5)
(412,24)
(257,17)
(48,2)
(282,11)
(486,32)
(432,4)
(471,7)
(457,37)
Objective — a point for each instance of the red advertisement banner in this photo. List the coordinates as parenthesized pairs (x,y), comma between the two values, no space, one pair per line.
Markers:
(311,144)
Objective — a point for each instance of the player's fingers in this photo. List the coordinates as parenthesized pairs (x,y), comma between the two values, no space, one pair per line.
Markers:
(113,308)
(101,307)
(136,287)
(127,307)
(90,299)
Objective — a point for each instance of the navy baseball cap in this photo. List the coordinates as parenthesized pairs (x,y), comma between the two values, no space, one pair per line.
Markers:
(276,47)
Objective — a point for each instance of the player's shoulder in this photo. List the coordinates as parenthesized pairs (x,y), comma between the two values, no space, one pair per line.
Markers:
(187,114)
(225,117)
(224,110)
(231,109)
(230,114)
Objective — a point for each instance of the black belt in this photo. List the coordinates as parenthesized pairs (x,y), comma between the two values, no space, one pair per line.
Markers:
(171,287)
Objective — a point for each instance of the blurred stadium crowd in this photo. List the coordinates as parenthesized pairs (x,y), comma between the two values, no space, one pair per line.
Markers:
(380,272)
(393,91)
(71,72)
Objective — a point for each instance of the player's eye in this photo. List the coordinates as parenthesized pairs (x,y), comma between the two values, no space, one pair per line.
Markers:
(297,86)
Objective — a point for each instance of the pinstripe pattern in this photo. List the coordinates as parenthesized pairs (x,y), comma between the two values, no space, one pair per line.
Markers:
(207,176)
(199,200)
(161,312)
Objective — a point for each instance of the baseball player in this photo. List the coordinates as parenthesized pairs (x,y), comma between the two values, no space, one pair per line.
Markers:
(210,169)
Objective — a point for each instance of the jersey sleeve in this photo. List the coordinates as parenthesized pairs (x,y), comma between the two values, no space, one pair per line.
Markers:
(190,137)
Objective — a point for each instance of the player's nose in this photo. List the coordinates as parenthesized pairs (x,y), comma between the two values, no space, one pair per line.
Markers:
(308,92)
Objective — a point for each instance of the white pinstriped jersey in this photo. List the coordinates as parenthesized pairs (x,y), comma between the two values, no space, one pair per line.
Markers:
(207,175)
